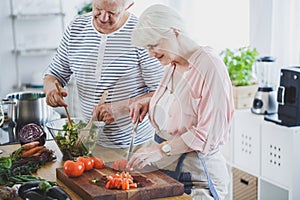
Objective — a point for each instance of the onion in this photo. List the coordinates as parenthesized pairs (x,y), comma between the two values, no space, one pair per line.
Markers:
(32,132)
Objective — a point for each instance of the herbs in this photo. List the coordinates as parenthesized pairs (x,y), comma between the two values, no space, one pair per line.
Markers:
(16,170)
(239,64)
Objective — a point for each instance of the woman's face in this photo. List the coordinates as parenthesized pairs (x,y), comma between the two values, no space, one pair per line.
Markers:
(108,15)
(165,50)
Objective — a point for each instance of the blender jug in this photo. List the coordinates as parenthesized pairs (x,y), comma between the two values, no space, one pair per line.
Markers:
(265,98)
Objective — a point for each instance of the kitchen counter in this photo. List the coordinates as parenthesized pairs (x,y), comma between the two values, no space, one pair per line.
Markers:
(48,171)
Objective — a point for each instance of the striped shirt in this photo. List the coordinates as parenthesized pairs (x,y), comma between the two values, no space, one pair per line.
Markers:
(107,62)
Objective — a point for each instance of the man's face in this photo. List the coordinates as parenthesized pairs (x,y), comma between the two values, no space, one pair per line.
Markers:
(108,15)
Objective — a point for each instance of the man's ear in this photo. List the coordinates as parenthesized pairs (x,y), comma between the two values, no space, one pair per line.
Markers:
(129,6)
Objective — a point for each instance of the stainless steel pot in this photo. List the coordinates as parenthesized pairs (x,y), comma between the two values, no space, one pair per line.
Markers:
(26,107)
(23,108)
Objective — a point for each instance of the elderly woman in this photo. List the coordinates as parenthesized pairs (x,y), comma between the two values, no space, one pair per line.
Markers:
(191,109)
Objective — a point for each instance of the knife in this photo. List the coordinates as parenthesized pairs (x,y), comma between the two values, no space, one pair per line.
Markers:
(134,131)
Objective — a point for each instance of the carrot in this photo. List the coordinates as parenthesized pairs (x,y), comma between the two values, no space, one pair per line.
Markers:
(30,145)
(31,151)
(38,153)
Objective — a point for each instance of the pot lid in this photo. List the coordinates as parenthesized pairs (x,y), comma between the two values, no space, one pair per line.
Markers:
(27,95)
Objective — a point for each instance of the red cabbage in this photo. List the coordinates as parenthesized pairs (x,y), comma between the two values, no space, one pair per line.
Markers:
(32,132)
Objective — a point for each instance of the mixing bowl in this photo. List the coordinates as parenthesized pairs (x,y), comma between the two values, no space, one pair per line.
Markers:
(67,139)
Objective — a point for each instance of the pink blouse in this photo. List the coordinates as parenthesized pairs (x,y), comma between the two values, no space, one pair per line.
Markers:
(202,109)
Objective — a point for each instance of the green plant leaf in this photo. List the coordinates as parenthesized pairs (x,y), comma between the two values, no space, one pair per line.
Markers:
(239,63)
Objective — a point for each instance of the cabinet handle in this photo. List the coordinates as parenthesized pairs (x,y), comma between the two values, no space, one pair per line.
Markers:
(244,181)
(280,95)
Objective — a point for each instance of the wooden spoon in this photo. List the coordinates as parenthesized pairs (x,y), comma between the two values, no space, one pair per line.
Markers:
(66,109)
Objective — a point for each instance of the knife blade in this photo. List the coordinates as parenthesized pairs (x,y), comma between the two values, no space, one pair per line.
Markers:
(133,133)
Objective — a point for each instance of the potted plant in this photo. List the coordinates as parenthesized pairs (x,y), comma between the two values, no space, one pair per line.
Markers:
(239,63)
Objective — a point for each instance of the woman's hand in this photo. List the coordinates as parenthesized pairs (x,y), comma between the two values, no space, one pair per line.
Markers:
(145,156)
(139,107)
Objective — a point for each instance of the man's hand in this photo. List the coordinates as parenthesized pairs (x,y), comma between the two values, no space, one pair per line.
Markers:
(105,113)
(53,98)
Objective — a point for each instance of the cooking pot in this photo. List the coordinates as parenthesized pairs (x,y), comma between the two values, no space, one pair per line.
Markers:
(27,107)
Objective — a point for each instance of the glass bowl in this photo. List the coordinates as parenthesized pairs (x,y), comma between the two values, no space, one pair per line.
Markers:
(76,141)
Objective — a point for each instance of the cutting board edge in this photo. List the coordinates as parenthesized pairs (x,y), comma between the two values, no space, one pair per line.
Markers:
(176,189)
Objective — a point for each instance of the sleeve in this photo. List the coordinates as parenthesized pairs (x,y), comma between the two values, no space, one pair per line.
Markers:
(214,110)
(151,69)
(60,65)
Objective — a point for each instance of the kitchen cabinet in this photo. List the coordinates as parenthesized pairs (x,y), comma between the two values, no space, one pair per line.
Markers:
(267,152)
(37,27)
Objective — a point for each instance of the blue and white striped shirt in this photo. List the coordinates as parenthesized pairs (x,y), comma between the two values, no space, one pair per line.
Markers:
(107,62)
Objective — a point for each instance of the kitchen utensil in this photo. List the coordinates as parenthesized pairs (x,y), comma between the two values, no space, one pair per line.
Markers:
(134,131)
(66,109)
(85,131)
(265,98)
(25,107)
(66,139)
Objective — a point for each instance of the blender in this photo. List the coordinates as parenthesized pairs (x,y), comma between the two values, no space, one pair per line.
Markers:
(265,98)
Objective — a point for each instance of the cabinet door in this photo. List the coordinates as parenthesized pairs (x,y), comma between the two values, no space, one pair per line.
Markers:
(247,141)
(277,153)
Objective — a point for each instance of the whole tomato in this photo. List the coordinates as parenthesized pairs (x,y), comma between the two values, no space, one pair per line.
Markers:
(73,168)
(88,162)
(98,163)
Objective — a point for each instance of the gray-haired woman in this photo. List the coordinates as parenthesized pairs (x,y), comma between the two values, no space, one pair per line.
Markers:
(191,109)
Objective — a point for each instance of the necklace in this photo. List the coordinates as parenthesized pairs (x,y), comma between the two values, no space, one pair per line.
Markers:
(172,81)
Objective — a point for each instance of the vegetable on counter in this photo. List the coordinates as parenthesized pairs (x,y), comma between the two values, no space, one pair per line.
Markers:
(32,132)
(87,161)
(22,163)
(5,162)
(73,168)
(98,163)
(121,180)
(120,165)
(42,190)
(35,151)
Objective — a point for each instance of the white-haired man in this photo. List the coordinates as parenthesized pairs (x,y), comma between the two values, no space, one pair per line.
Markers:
(96,48)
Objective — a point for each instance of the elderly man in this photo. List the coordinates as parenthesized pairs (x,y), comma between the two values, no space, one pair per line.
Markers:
(96,48)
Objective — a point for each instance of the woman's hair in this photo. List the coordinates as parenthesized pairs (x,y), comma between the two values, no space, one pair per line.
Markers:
(154,23)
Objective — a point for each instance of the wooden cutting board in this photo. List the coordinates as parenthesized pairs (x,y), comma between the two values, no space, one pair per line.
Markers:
(155,184)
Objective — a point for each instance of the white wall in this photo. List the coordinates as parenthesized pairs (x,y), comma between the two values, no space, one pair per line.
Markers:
(217,23)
